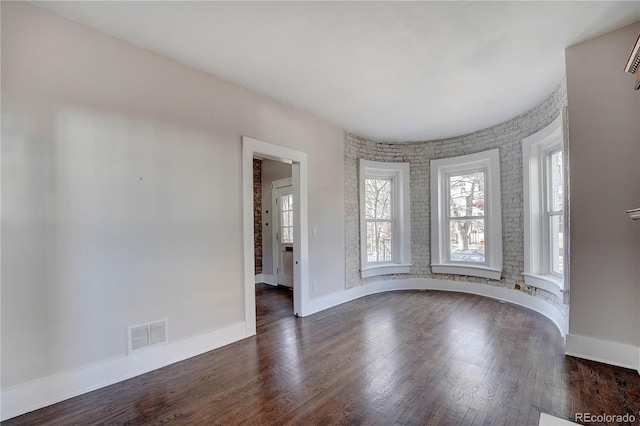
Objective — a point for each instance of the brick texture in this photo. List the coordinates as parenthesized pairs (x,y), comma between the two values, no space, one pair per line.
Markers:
(507,137)
(257,214)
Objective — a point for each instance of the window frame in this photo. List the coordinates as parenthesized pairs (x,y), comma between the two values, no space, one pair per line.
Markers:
(399,173)
(536,152)
(489,162)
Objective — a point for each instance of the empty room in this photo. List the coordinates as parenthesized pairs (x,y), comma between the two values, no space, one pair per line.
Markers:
(415,213)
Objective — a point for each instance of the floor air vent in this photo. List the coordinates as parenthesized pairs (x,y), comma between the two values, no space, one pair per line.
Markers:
(146,335)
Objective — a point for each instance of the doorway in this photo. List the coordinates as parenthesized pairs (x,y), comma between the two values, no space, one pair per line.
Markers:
(253,148)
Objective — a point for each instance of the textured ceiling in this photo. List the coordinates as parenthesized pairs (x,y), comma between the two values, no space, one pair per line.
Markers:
(386,70)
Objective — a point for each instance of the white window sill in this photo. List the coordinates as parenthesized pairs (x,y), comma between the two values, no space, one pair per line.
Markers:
(385,269)
(549,283)
(469,270)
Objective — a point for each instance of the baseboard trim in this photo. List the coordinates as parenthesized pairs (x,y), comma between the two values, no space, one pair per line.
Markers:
(513,296)
(604,351)
(31,396)
(266,279)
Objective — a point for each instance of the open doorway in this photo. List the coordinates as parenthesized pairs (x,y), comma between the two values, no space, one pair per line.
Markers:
(295,223)
(274,230)
(273,207)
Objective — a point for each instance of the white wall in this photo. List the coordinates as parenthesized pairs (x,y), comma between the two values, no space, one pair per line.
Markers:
(121,194)
(604,148)
(271,170)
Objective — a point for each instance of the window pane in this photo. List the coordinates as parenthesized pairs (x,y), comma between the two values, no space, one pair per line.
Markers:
(287,202)
(286,218)
(557,244)
(555,162)
(377,195)
(466,240)
(379,244)
(466,194)
(287,235)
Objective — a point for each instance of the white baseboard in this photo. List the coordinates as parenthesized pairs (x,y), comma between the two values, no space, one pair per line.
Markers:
(500,293)
(266,279)
(50,390)
(604,351)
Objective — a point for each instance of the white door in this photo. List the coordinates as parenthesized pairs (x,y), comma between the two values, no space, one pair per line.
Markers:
(284,235)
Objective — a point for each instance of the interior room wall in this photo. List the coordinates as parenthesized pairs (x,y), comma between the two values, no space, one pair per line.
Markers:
(604,138)
(121,195)
(271,171)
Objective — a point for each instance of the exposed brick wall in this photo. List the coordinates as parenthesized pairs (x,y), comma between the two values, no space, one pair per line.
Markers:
(507,137)
(257,214)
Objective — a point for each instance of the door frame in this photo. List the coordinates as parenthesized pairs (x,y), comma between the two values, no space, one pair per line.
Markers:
(256,148)
(280,183)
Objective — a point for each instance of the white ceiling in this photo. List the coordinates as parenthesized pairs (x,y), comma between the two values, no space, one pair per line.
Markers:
(394,71)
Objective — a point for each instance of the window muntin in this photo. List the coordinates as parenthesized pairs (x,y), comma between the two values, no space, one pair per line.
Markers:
(466,218)
(466,223)
(385,228)
(378,218)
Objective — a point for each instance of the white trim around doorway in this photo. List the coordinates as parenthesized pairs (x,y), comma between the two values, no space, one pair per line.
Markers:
(259,149)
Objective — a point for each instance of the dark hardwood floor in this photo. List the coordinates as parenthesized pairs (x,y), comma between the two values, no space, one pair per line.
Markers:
(406,357)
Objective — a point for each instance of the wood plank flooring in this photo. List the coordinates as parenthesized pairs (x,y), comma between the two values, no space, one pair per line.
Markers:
(406,358)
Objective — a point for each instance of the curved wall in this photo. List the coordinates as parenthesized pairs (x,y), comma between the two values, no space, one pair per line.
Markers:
(507,137)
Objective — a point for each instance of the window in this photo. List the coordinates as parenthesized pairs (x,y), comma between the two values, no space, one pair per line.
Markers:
(384,218)
(286,212)
(544,208)
(466,228)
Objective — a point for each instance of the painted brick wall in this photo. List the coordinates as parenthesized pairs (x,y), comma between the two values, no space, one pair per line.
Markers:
(257,214)
(507,137)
